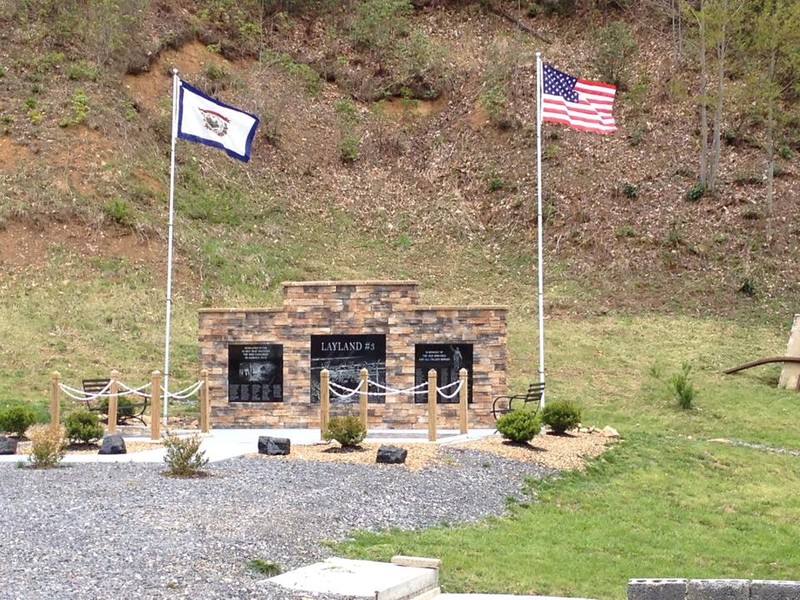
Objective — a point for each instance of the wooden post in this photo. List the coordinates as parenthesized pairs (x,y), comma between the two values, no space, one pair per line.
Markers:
(462,400)
(362,404)
(113,402)
(205,409)
(155,406)
(432,393)
(55,399)
(324,401)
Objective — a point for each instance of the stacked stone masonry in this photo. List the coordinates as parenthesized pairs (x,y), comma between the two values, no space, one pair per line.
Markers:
(353,308)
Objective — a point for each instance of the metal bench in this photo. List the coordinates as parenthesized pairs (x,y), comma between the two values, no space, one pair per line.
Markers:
(127,409)
(530,400)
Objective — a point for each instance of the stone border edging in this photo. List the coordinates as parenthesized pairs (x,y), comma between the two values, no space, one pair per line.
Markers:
(712,589)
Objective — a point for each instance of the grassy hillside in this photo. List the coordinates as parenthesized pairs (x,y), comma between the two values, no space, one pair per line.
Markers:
(391,147)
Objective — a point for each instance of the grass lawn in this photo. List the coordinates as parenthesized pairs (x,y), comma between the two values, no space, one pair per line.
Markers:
(667,501)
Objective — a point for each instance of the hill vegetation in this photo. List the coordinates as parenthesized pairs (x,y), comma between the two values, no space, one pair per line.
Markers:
(397,140)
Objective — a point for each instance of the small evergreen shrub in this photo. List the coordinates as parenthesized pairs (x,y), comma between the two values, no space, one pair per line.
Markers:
(561,416)
(83,427)
(17,419)
(681,387)
(696,192)
(348,431)
(519,426)
(48,445)
(184,457)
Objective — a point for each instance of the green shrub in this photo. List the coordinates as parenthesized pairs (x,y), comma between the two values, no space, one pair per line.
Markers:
(696,192)
(519,426)
(561,415)
(615,49)
(125,408)
(348,431)
(184,457)
(48,445)
(630,190)
(119,211)
(83,427)
(17,419)
(681,387)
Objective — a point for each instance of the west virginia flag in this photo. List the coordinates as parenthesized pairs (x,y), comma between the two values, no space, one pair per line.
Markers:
(208,121)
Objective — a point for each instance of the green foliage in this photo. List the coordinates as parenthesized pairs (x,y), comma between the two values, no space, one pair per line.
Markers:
(696,192)
(119,211)
(561,415)
(3,71)
(83,427)
(310,79)
(519,426)
(125,408)
(17,419)
(630,190)
(379,23)
(82,71)
(348,431)
(80,108)
(785,152)
(748,288)
(348,148)
(495,103)
(614,52)
(270,568)
(681,386)
(48,445)
(494,180)
(347,119)
(625,231)
(184,457)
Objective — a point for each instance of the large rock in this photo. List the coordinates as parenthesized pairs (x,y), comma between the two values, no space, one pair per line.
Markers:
(391,455)
(274,446)
(113,444)
(8,445)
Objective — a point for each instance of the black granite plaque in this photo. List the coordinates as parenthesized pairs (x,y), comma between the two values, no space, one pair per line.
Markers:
(255,373)
(344,356)
(446,360)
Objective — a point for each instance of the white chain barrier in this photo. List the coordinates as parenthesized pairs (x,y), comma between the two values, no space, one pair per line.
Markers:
(342,392)
(125,390)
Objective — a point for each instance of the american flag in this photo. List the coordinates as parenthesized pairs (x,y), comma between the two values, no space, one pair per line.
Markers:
(579,103)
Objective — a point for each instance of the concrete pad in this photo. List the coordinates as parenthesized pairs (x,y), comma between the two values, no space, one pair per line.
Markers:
(360,579)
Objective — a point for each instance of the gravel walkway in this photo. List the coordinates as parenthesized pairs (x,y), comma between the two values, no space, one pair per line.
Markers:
(123,530)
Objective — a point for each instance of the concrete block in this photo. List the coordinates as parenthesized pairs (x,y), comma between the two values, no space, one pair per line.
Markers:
(657,589)
(762,589)
(417,561)
(718,589)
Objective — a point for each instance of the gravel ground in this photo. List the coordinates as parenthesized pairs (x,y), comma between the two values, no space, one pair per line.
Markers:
(125,530)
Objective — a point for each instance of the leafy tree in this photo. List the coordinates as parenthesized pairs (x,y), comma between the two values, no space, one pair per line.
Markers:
(773,57)
(718,23)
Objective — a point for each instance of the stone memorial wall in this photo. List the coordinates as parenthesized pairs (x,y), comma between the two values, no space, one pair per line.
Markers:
(265,362)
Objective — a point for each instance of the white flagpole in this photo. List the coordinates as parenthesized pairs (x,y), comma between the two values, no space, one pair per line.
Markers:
(539,88)
(175,85)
